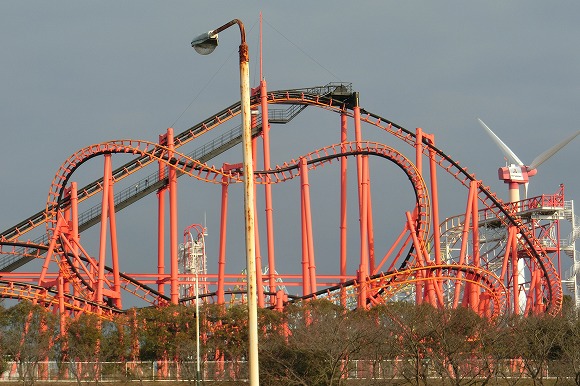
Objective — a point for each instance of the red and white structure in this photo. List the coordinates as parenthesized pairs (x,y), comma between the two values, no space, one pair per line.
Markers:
(423,256)
(517,174)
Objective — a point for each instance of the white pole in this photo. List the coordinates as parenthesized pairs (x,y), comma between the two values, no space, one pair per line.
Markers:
(198,44)
(249,216)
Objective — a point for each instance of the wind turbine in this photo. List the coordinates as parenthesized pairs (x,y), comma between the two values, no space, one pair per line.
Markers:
(516,173)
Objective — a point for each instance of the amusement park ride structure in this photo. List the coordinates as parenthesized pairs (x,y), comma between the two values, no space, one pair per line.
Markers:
(495,257)
(470,259)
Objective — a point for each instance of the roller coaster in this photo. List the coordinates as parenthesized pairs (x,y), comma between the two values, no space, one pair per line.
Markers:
(473,258)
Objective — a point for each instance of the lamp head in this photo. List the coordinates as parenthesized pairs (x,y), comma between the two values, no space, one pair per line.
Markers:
(205,43)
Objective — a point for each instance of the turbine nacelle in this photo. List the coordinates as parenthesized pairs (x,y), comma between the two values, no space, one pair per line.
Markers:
(513,173)
(516,173)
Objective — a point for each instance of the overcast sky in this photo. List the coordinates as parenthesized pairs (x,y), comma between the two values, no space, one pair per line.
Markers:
(74,73)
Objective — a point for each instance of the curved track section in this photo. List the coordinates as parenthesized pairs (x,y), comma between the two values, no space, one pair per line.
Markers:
(327,154)
(314,159)
(206,173)
(20,290)
(48,297)
(504,212)
(385,285)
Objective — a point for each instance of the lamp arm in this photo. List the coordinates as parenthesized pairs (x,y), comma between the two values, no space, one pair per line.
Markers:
(229,24)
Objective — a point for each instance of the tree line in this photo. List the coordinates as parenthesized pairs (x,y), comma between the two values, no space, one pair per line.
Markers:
(312,343)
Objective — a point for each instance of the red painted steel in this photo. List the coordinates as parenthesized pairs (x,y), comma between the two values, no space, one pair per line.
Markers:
(343,206)
(222,243)
(72,280)
(268,190)
(173,228)
(161,223)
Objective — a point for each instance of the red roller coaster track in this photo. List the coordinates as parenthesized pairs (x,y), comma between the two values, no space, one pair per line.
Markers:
(416,266)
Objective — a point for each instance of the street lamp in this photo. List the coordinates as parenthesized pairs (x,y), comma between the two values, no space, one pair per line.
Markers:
(205,44)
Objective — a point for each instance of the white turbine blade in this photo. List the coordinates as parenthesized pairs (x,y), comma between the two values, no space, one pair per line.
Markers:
(526,189)
(504,148)
(551,151)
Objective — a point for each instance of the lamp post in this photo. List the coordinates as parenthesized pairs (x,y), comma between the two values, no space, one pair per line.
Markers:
(204,45)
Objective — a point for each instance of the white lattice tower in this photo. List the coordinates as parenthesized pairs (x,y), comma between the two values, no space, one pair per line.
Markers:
(193,262)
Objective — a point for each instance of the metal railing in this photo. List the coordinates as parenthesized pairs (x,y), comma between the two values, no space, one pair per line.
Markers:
(237,370)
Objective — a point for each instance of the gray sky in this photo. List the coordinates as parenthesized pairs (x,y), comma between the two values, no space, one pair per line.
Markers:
(77,73)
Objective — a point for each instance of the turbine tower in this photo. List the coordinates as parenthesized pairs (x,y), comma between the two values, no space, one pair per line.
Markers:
(516,173)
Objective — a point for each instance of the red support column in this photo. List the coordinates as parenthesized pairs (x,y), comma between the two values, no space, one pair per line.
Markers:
(280,295)
(173,234)
(464,238)
(540,305)
(507,254)
(61,308)
(114,246)
(343,202)
(259,275)
(420,285)
(364,246)
(51,246)
(358,139)
(107,180)
(434,201)
(305,259)
(474,295)
(60,278)
(222,244)
(370,227)
(258,253)
(74,231)
(533,304)
(427,285)
(436,247)
(161,225)
(62,311)
(268,191)
(362,199)
(307,223)
(419,150)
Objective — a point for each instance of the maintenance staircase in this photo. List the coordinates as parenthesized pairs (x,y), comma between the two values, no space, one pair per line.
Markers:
(571,278)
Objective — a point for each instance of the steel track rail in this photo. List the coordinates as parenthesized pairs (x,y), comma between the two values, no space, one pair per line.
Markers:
(345,102)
